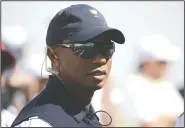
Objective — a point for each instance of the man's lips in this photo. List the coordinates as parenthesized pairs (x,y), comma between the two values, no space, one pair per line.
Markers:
(97,73)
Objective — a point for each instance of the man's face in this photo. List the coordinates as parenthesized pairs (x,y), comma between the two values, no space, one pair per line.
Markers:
(157,68)
(91,73)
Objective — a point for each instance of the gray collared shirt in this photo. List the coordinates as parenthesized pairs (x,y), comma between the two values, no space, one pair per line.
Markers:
(180,121)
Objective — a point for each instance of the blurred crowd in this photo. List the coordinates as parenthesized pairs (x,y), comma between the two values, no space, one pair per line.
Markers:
(146,98)
(19,83)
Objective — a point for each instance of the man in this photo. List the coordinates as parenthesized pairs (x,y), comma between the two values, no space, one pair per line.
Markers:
(149,99)
(8,61)
(14,40)
(80,49)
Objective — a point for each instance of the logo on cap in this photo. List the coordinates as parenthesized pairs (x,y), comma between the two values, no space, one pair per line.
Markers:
(94,12)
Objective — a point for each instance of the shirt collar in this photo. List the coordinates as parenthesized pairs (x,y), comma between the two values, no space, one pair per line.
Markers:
(87,111)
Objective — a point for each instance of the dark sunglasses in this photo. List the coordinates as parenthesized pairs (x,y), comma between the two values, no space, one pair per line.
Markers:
(91,49)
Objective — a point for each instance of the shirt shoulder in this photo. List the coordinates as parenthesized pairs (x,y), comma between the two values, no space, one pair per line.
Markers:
(34,122)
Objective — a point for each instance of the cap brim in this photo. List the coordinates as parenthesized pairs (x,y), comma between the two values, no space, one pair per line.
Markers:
(87,34)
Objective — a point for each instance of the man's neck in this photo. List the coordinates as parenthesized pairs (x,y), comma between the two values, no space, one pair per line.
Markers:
(69,96)
(82,96)
(79,93)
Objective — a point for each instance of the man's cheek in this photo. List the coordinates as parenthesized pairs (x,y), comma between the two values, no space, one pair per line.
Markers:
(75,70)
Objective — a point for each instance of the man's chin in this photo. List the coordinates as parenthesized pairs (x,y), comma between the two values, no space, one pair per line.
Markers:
(97,85)
(94,84)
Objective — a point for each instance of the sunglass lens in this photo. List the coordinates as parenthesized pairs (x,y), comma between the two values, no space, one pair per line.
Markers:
(90,50)
(86,51)
(107,52)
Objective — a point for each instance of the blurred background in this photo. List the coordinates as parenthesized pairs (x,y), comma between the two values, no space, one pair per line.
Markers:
(146,84)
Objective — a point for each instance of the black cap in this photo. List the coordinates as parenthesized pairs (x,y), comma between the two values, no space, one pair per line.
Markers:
(80,23)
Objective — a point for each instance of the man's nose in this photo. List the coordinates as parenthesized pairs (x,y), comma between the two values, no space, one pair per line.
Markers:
(99,59)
